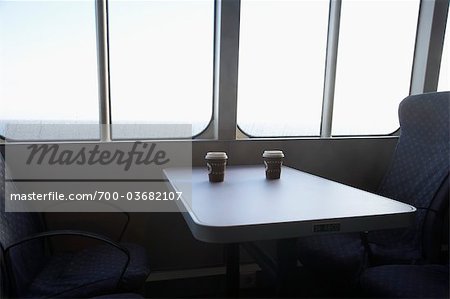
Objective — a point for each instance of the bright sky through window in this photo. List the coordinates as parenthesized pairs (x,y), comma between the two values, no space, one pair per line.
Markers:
(161,63)
(374,64)
(48,62)
(161,56)
(281,66)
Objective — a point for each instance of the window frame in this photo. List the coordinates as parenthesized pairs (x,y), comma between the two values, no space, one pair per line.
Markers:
(330,64)
(430,31)
(103,60)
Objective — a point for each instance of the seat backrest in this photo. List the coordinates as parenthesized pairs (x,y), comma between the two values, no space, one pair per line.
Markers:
(419,167)
(435,227)
(26,260)
(3,283)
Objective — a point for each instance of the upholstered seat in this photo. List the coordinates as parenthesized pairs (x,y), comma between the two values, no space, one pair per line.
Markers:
(406,281)
(34,273)
(83,273)
(418,175)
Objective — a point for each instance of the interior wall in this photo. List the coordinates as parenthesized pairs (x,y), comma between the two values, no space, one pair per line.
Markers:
(359,162)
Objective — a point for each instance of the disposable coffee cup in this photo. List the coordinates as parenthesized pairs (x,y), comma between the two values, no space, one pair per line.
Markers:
(273,160)
(216,162)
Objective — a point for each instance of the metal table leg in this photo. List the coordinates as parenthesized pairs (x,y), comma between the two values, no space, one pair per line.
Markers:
(287,264)
(232,267)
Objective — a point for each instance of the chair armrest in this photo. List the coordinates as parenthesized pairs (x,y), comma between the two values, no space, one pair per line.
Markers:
(70,233)
(125,226)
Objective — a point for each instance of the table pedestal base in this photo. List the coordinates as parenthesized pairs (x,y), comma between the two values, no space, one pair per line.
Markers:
(232,269)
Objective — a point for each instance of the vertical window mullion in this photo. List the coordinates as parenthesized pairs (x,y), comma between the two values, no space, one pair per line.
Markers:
(226,68)
(101,13)
(330,68)
(429,45)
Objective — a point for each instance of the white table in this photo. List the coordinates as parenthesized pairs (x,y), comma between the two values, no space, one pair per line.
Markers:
(246,207)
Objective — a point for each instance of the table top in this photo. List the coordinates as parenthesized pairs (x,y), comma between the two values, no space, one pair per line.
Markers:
(247,207)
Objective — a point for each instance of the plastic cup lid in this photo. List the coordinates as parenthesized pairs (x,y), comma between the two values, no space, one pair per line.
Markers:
(273,154)
(216,155)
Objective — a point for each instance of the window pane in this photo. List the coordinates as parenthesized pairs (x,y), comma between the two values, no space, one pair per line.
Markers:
(444,80)
(161,55)
(376,46)
(48,64)
(281,63)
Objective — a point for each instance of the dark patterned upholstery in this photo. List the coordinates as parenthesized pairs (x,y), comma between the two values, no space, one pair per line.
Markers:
(406,281)
(418,170)
(436,221)
(138,270)
(96,269)
(3,282)
(340,255)
(416,176)
(15,226)
(90,272)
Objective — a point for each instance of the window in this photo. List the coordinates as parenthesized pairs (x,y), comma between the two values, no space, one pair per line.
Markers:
(374,63)
(48,65)
(444,84)
(281,67)
(160,66)
(161,62)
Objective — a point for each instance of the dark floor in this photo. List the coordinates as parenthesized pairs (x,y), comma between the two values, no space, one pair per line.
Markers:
(303,285)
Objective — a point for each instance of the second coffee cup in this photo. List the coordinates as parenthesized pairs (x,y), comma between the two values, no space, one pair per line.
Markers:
(273,160)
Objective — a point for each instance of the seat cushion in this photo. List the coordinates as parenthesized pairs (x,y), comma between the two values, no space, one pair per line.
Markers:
(332,254)
(90,272)
(406,281)
(138,270)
